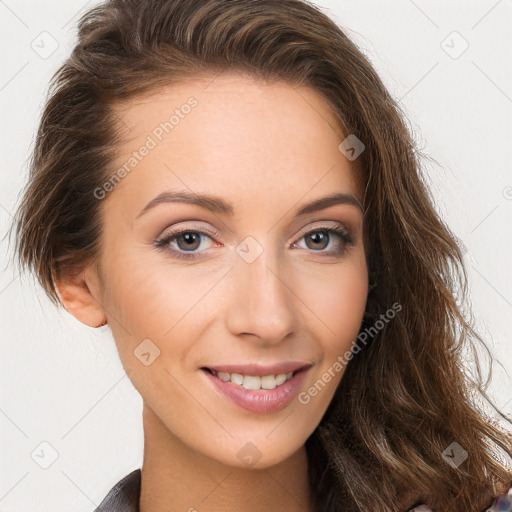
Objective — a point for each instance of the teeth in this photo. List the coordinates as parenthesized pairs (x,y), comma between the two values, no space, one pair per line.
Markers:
(251,382)
(280,379)
(236,378)
(268,382)
(254,381)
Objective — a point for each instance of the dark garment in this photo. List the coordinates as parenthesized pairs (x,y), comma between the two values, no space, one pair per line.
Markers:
(124,497)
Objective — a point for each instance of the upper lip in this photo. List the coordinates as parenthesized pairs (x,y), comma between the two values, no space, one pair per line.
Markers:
(259,370)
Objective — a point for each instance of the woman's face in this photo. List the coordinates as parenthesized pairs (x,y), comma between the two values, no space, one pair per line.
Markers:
(252,287)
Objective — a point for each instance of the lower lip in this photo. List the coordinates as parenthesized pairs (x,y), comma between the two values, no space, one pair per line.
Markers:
(260,401)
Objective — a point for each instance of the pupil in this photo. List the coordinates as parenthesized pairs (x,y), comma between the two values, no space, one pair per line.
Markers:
(321,235)
(188,237)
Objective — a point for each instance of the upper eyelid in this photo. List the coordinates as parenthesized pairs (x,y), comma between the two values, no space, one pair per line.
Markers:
(321,224)
(333,224)
(210,233)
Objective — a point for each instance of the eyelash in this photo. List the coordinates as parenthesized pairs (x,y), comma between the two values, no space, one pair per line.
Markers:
(342,233)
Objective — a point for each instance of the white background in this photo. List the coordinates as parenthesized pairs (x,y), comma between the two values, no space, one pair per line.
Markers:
(62,382)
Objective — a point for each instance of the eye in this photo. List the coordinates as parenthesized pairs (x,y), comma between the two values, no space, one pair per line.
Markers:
(184,243)
(319,239)
(187,242)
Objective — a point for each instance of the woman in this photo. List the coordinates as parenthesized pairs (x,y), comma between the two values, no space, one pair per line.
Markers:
(190,158)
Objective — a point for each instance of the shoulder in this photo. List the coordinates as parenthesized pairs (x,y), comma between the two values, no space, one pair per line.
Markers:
(500,503)
(124,496)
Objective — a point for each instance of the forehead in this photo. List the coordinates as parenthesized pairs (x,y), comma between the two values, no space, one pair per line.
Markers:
(232,132)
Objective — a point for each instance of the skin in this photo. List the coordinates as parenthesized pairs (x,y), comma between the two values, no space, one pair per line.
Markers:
(268,149)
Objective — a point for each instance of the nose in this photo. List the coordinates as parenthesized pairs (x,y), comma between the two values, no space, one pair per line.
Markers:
(262,305)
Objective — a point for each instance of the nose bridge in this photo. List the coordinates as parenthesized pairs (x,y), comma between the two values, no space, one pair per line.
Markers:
(262,303)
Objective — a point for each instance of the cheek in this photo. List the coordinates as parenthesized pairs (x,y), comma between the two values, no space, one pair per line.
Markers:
(337,299)
(143,292)
(141,300)
(157,301)
(338,302)
(339,307)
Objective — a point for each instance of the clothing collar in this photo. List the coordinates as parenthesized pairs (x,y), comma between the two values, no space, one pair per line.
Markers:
(124,496)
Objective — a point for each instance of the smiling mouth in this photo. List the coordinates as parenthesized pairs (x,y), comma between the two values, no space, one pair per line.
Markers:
(255,382)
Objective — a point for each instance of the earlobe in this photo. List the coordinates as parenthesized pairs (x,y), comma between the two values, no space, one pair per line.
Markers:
(74,291)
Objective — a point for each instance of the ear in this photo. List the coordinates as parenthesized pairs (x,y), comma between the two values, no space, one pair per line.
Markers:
(79,293)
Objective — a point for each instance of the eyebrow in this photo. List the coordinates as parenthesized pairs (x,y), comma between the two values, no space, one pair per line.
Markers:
(217,205)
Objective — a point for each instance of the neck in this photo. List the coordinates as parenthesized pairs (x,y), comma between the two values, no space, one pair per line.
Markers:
(174,477)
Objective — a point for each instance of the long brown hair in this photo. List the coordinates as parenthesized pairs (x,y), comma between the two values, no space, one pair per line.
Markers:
(406,396)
